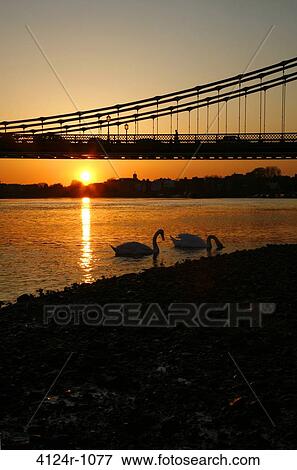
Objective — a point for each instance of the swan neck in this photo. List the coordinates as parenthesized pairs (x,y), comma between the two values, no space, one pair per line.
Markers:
(155,244)
(208,242)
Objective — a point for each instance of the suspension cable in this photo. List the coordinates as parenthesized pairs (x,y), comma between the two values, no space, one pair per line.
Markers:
(272,69)
(264,112)
(207,118)
(260,110)
(197,116)
(239,107)
(245,112)
(284,95)
(226,116)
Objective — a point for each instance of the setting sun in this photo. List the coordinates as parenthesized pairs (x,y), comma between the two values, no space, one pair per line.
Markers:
(85,177)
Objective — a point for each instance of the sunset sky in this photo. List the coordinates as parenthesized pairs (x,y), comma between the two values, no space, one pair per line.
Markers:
(110,51)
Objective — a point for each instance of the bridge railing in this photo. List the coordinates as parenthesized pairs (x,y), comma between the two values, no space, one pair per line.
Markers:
(160,138)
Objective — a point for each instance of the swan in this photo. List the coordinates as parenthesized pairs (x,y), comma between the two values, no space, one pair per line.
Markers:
(136,249)
(186,240)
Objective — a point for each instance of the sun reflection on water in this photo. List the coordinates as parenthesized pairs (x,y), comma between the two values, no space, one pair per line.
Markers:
(86,252)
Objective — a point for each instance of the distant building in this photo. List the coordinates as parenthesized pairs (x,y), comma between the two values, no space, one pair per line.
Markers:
(162,184)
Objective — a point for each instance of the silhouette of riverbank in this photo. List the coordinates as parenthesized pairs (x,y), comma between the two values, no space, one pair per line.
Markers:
(261,182)
(159,387)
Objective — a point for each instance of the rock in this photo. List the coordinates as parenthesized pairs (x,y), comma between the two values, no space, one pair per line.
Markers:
(25,298)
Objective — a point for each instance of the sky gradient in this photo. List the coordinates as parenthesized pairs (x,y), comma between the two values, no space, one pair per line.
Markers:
(109,51)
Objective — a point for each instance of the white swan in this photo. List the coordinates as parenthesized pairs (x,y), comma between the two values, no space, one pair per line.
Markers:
(136,249)
(186,240)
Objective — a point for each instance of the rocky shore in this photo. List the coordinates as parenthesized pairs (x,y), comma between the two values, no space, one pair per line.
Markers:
(122,387)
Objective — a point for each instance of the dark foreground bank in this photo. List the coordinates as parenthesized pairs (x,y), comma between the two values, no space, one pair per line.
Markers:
(133,387)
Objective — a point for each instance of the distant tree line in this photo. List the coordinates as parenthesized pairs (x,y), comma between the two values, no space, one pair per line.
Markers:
(261,182)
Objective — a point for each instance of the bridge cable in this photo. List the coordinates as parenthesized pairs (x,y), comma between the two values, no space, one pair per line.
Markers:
(226,116)
(226,82)
(197,115)
(264,115)
(239,107)
(189,121)
(157,117)
(260,111)
(218,111)
(257,89)
(245,112)
(284,90)
(207,116)
(165,111)
(88,124)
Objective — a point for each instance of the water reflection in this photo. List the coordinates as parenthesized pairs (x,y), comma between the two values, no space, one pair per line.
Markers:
(86,251)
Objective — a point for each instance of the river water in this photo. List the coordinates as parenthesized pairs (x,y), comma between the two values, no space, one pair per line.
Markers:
(51,243)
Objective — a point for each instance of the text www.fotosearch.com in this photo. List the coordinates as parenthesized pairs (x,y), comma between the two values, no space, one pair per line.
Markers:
(165,460)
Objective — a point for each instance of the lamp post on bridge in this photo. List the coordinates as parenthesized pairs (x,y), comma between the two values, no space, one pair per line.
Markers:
(126,129)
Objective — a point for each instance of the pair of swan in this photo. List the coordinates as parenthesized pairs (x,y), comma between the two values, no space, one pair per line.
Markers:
(183,240)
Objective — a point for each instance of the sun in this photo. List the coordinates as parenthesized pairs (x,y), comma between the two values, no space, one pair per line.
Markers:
(85,177)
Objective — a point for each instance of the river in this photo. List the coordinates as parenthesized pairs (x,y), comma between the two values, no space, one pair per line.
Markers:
(51,243)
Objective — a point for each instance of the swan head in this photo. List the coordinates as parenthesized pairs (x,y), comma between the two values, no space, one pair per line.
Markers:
(218,243)
(161,232)
(158,233)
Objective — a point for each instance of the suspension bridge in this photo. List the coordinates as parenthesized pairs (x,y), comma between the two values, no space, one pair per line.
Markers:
(114,131)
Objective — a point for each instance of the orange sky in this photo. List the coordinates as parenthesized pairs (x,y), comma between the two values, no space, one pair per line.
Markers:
(111,51)
(37,171)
